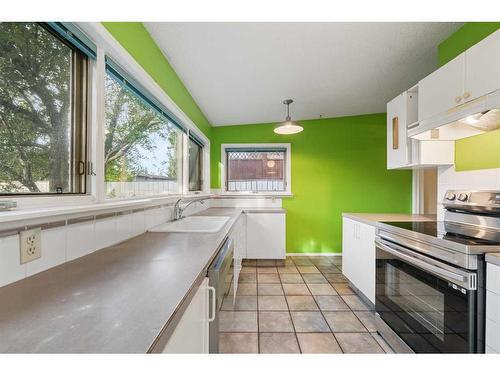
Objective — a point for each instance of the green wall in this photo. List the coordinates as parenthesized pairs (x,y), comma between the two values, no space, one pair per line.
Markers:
(134,37)
(338,165)
(481,151)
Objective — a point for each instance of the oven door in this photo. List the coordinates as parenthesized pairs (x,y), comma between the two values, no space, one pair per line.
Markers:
(429,306)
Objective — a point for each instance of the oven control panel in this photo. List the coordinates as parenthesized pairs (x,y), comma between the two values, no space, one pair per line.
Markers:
(473,200)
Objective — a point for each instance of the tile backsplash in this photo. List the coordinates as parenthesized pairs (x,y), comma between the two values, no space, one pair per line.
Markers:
(76,238)
(448,178)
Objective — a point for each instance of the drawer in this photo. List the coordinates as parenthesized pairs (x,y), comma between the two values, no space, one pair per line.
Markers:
(493,335)
(493,278)
(493,306)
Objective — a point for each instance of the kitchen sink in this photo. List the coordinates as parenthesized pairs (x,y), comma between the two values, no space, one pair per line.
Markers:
(195,224)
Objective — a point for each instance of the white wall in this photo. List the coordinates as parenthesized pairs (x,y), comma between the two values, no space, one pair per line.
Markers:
(448,178)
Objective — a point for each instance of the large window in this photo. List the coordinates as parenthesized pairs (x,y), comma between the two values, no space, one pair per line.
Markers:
(143,149)
(257,168)
(43,90)
(195,164)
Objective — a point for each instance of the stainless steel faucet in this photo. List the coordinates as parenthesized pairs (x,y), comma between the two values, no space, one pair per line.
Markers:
(178,210)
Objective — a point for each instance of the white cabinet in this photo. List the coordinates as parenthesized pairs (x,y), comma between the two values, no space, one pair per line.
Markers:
(482,69)
(191,333)
(266,235)
(492,308)
(405,152)
(470,75)
(442,89)
(358,256)
(238,235)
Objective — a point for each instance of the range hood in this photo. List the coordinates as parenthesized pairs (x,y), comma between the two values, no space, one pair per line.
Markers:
(475,117)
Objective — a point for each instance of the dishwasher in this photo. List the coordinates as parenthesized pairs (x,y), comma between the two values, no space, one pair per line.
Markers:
(219,273)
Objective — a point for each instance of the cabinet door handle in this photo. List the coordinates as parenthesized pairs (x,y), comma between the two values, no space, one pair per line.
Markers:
(458,99)
(211,289)
(466,95)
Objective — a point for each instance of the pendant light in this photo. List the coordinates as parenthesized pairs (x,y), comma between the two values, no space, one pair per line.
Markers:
(288,126)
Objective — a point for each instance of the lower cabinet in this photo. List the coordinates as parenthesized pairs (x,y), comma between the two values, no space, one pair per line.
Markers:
(266,235)
(191,334)
(492,308)
(358,256)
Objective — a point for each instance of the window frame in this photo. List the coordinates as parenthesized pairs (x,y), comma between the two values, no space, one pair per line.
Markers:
(107,45)
(192,138)
(260,146)
(80,91)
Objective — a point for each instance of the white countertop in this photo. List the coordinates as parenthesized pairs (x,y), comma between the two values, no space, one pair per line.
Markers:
(374,218)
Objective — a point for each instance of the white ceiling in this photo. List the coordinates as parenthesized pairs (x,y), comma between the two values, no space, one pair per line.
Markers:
(239,73)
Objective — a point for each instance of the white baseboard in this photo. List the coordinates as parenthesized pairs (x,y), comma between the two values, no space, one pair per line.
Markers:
(314,254)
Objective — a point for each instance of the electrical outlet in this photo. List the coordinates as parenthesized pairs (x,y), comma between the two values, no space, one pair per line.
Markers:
(31,244)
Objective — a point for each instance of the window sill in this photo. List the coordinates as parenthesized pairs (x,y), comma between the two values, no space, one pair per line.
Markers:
(226,194)
(49,213)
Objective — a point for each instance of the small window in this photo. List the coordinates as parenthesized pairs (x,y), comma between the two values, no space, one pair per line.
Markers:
(257,169)
(142,148)
(43,91)
(195,164)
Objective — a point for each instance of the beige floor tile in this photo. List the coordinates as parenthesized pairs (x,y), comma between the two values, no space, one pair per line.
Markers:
(278,343)
(248,278)
(238,343)
(329,269)
(248,303)
(355,303)
(321,261)
(268,278)
(288,269)
(249,262)
(291,278)
(270,290)
(358,343)
(248,269)
(267,270)
(272,303)
(315,343)
(245,289)
(337,261)
(331,303)
(383,344)
(368,320)
(335,277)
(275,321)
(301,303)
(308,269)
(314,278)
(266,262)
(296,290)
(302,262)
(343,321)
(343,288)
(322,289)
(309,321)
(238,321)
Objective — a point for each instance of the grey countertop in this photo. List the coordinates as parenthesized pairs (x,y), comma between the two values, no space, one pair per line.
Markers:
(115,300)
(373,219)
(493,258)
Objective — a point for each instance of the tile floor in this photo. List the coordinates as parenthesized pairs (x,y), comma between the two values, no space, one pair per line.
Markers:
(299,305)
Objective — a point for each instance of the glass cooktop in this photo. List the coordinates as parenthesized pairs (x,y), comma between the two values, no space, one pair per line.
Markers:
(450,231)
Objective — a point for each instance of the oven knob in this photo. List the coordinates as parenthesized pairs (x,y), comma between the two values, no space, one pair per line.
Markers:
(451,196)
(462,197)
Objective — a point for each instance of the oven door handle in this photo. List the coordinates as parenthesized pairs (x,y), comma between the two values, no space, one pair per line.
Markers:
(467,281)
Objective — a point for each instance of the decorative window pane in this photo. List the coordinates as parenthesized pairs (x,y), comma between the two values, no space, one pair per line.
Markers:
(257,170)
(142,148)
(43,90)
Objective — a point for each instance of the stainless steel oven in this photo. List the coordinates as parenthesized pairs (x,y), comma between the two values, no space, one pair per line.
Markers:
(431,306)
(430,276)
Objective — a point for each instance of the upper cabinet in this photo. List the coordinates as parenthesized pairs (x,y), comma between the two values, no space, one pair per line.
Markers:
(405,152)
(442,90)
(469,76)
(482,68)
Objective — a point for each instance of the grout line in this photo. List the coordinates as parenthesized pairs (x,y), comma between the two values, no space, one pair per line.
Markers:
(290,314)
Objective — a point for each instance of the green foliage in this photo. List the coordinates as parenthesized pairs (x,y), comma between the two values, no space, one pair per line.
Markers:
(36,121)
